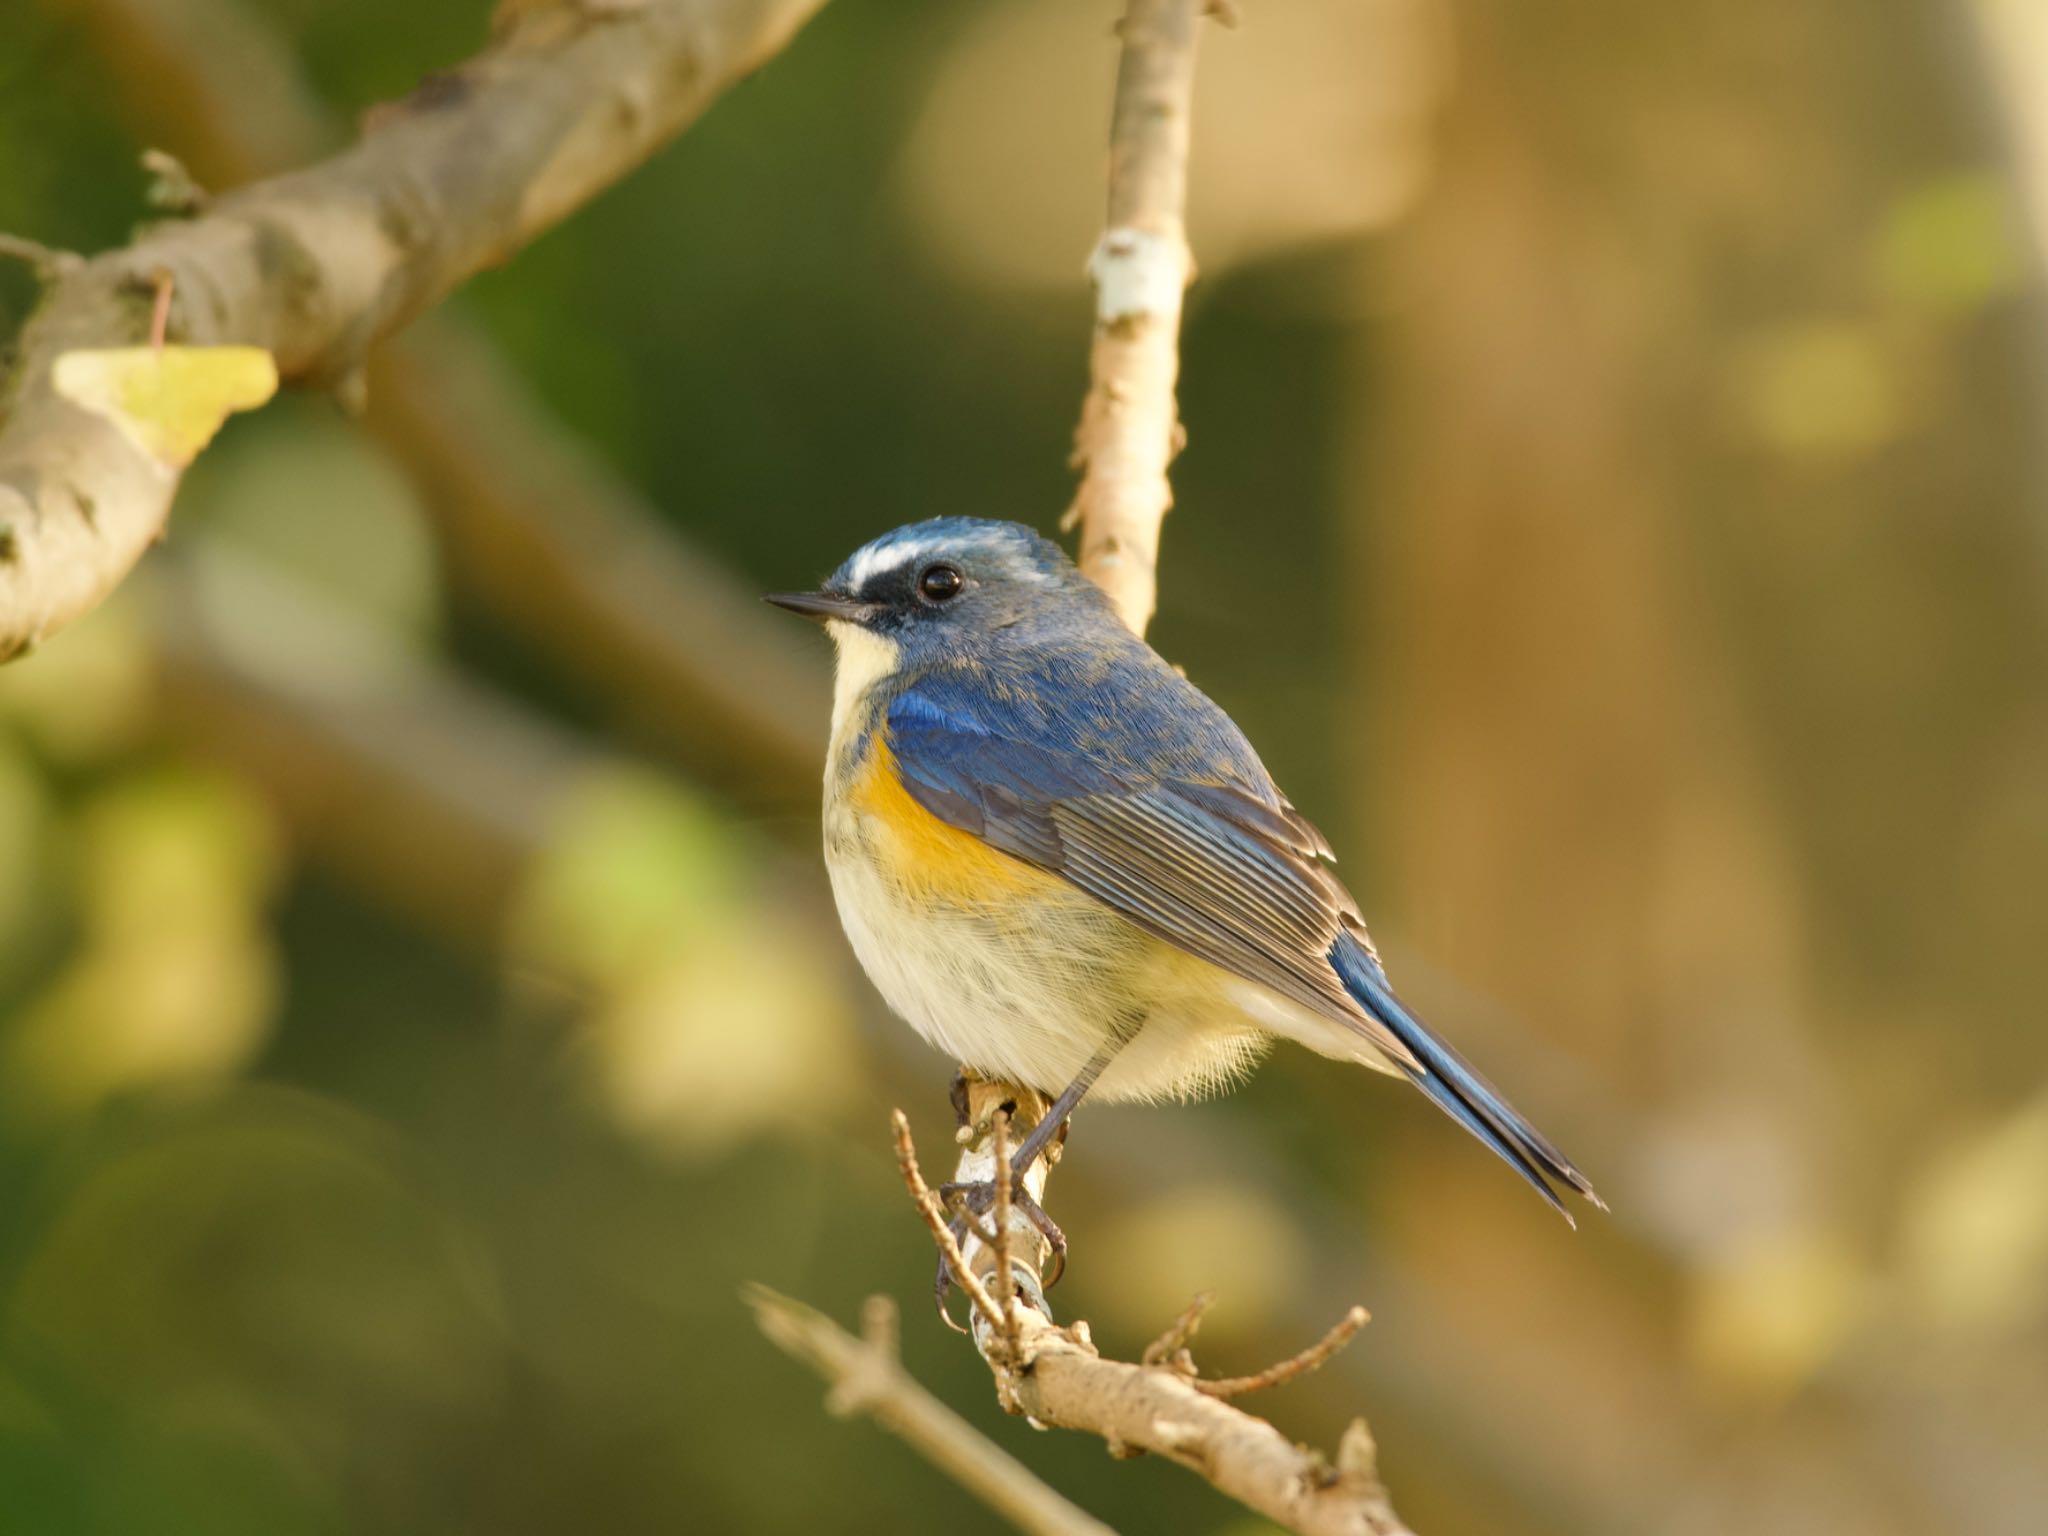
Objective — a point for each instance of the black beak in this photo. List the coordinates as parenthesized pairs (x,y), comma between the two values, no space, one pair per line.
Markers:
(821,607)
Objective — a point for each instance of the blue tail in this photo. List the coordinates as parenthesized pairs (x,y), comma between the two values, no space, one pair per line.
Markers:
(1455,1088)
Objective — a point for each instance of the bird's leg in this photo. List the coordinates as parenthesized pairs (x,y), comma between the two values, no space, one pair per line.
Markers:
(972,1200)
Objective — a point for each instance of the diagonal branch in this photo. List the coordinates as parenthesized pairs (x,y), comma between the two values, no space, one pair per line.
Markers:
(538,528)
(317,265)
(867,1378)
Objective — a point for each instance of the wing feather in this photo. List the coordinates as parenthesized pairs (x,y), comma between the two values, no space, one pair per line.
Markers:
(1208,866)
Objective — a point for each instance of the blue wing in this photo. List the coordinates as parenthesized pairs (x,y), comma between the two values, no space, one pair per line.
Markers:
(1197,846)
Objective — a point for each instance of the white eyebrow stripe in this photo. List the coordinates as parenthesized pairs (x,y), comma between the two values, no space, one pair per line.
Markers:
(877,558)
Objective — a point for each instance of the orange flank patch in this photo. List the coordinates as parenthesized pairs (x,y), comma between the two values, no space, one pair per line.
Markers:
(928,858)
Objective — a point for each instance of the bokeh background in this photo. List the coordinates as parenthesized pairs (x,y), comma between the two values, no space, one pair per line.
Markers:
(1616,504)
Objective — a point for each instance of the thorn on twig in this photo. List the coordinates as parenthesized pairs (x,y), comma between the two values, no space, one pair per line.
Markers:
(1358,1456)
(1287,1370)
(172,189)
(868,1382)
(880,1326)
(1170,1348)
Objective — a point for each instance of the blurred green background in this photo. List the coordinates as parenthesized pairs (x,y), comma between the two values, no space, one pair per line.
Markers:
(1616,505)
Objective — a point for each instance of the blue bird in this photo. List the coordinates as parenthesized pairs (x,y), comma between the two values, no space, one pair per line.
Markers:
(1067,868)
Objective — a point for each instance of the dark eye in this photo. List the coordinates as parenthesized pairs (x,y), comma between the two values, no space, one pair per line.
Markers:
(939,583)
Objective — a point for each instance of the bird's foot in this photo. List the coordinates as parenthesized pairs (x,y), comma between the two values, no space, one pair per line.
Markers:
(968,1203)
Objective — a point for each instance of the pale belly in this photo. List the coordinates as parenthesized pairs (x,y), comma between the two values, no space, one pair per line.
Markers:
(1010,970)
(1029,983)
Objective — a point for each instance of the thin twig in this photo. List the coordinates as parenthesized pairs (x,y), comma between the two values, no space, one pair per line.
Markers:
(1174,1342)
(1287,1370)
(935,1219)
(867,1378)
(47,260)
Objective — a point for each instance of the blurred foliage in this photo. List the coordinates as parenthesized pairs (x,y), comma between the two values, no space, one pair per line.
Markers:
(1614,504)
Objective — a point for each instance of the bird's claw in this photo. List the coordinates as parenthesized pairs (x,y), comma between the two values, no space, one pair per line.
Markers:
(971,1201)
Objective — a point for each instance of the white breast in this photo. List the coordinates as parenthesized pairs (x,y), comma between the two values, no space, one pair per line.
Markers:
(864,659)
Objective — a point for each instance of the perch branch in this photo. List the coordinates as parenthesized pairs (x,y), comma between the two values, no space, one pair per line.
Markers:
(316,265)
(1058,1378)
(1130,426)
(867,1378)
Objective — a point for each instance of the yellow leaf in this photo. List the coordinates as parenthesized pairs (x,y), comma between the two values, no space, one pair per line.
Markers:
(169,400)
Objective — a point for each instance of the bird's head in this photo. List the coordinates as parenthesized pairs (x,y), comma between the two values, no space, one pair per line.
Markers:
(941,588)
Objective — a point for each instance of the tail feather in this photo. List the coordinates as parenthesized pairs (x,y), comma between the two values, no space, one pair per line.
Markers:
(1456,1088)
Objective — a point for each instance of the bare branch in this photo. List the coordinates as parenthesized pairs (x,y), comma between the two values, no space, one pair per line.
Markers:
(1059,1379)
(867,1378)
(316,265)
(1130,426)
(559,545)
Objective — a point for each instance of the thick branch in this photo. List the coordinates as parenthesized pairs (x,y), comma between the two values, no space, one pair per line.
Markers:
(1130,426)
(316,265)
(543,531)
(1149,1408)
